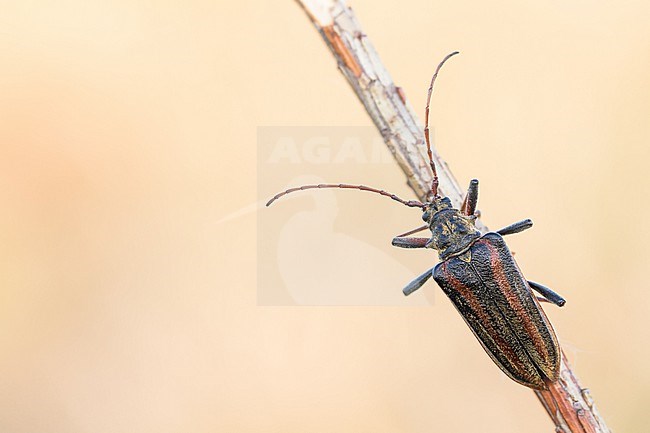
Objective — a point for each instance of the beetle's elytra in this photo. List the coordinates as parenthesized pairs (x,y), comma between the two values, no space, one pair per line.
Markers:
(489,291)
(481,278)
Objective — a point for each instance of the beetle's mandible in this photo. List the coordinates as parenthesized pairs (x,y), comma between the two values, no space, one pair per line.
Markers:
(481,278)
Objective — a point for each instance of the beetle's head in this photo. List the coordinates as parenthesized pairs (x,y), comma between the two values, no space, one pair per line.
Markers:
(435,206)
(452,232)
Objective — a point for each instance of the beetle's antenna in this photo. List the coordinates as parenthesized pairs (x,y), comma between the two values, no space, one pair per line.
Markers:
(434,183)
(410,203)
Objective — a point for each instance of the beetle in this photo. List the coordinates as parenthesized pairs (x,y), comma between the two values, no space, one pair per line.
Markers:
(481,278)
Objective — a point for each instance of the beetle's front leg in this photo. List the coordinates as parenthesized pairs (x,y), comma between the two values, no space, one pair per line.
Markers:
(410,242)
(547,293)
(471,199)
(403,241)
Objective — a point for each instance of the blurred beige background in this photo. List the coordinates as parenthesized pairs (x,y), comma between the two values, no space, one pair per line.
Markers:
(128,132)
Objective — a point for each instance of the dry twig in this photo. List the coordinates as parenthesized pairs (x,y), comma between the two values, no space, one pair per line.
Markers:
(567,402)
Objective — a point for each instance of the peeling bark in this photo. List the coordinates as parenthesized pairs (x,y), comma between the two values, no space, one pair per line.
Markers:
(567,402)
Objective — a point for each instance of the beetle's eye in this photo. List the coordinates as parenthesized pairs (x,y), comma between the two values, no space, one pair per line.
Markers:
(425,216)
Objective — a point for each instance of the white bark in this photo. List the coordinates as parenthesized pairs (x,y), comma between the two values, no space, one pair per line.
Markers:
(567,402)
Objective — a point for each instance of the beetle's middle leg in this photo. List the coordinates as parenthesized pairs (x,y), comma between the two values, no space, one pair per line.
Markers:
(418,282)
(517,227)
(547,293)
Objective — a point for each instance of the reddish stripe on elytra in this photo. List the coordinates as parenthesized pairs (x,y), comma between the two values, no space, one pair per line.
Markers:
(503,345)
(515,302)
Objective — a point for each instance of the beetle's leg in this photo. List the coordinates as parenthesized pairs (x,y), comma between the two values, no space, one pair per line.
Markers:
(547,293)
(410,232)
(418,282)
(471,199)
(410,242)
(516,227)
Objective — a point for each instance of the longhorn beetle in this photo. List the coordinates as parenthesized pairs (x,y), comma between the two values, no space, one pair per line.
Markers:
(481,278)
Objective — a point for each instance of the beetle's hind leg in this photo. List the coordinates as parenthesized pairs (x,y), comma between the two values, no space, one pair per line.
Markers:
(547,293)
(517,227)
(418,282)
